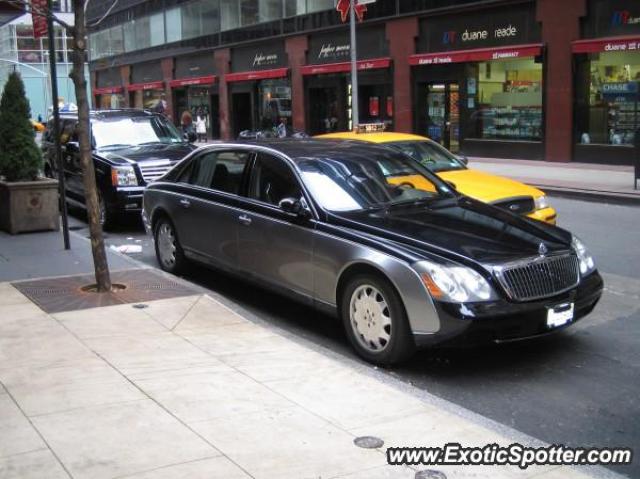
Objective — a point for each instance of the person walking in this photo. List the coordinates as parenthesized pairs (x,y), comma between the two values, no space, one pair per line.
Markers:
(186,121)
(201,127)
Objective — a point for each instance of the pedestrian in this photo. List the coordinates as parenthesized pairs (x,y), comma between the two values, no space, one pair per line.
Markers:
(39,118)
(186,121)
(201,127)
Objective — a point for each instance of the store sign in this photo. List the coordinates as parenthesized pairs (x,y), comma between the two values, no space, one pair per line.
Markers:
(257,75)
(195,66)
(40,28)
(620,44)
(259,57)
(206,80)
(607,17)
(476,55)
(622,90)
(158,85)
(107,90)
(335,47)
(497,28)
(345,67)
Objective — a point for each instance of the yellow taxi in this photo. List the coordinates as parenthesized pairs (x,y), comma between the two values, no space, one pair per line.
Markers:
(503,192)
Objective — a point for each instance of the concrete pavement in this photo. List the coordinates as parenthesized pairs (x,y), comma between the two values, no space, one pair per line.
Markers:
(189,388)
(582,180)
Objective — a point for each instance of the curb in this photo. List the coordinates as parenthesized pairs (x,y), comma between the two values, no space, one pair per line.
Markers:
(590,195)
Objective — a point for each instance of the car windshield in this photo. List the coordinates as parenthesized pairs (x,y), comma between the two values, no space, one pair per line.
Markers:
(133,131)
(371,181)
(428,154)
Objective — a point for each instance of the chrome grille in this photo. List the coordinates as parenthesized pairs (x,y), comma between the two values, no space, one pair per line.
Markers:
(540,278)
(521,206)
(152,170)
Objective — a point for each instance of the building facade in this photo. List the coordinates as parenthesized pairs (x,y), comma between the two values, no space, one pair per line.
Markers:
(534,79)
(20,51)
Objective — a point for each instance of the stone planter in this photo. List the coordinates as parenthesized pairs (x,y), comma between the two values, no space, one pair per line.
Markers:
(29,206)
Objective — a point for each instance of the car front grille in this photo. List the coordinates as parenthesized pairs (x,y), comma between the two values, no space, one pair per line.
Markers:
(521,205)
(152,170)
(540,278)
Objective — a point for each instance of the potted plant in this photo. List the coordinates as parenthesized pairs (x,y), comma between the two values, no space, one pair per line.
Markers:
(28,202)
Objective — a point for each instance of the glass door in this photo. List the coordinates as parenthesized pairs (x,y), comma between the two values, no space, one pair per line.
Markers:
(443,114)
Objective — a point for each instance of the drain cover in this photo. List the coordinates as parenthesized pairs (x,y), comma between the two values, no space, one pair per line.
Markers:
(430,474)
(140,306)
(368,442)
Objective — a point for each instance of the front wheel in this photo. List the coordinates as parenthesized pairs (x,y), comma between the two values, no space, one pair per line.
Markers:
(375,320)
(168,250)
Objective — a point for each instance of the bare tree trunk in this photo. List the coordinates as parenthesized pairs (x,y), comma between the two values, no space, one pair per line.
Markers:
(103,278)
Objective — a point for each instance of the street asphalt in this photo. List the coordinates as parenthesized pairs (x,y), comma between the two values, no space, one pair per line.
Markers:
(577,388)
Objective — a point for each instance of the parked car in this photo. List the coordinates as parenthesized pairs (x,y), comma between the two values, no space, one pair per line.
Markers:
(403,266)
(131,148)
(496,190)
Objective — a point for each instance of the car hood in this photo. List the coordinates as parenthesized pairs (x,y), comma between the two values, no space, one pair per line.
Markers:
(141,154)
(486,187)
(458,228)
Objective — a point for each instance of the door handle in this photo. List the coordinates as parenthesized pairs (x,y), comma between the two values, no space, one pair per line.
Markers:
(245,220)
(185,203)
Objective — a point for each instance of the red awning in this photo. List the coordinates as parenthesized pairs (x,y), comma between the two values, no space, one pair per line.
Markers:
(206,80)
(155,85)
(108,90)
(257,75)
(345,66)
(612,44)
(476,55)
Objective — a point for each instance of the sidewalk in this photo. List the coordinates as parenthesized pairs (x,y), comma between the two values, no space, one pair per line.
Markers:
(187,387)
(582,180)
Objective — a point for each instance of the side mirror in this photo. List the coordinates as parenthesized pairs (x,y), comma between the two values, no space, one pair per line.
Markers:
(463,159)
(293,206)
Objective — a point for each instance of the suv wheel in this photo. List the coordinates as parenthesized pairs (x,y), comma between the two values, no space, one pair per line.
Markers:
(168,250)
(106,215)
(375,320)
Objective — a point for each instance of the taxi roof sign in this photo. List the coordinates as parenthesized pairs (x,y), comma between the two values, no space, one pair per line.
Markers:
(370,128)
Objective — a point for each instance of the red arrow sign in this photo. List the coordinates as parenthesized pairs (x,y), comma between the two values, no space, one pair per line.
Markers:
(343,7)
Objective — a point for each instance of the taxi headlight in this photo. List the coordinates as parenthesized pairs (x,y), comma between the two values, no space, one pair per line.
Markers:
(541,202)
(454,283)
(587,264)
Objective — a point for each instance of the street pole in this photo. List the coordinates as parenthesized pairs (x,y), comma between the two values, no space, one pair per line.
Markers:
(355,117)
(56,126)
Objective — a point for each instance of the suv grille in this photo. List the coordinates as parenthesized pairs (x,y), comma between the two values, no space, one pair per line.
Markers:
(540,278)
(521,206)
(152,170)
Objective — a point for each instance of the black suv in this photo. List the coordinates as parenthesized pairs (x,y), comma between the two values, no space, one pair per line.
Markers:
(131,148)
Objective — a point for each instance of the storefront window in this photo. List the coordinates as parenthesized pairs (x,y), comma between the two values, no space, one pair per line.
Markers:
(607,98)
(504,101)
(110,101)
(275,103)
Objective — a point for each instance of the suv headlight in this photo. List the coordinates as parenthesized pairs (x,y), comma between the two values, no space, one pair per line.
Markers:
(454,283)
(541,202)
(123,176)
(587,264)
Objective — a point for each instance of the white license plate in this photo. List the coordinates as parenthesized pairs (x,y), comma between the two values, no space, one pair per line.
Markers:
(559,315)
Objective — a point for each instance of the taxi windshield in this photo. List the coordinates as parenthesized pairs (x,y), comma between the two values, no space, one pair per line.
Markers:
(372,181)
(429,154)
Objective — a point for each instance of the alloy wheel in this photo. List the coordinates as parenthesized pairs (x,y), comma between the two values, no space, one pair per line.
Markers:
(167,245)
(370,318)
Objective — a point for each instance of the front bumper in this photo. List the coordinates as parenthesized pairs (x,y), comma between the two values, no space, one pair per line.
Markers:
(502,320)
(126,199)
(548,215)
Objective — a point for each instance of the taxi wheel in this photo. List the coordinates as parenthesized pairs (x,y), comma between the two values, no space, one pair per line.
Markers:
(375,320)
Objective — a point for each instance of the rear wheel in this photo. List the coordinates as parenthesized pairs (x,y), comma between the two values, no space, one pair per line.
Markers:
(168,250)
(375,320)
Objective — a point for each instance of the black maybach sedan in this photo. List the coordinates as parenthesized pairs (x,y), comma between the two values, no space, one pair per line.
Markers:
(130,149)
(403,266)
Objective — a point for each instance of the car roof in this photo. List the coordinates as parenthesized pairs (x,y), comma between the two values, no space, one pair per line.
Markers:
(303,149)
(107,114)
(377,137)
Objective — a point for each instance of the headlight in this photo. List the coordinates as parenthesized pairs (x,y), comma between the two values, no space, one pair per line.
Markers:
(587,265)
(454,283)
(541,202)
(123,176)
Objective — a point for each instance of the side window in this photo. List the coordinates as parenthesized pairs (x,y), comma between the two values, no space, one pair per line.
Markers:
(218,170)
(273,180)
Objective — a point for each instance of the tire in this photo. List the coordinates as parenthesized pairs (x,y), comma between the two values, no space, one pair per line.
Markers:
(169,253)
(375,320)
(108,217)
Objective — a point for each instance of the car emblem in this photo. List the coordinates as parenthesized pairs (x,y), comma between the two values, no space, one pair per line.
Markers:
(542,249)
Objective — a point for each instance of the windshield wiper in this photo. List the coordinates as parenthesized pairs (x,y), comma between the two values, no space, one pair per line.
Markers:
(116,146)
